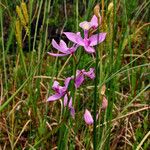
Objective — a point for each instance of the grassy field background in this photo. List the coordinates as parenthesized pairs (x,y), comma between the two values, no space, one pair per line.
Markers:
(27,72)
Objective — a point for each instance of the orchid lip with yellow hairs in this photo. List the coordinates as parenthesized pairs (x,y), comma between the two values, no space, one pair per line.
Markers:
(85,25)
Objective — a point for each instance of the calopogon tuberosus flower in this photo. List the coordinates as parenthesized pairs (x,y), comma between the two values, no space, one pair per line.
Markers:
(62,47)
(80,75)
(88,117)
(88,41)
(60,91)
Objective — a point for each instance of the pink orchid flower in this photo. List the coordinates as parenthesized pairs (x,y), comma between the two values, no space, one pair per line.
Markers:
(88,117)
(87,42)
(80,74)
(62,47)
(60,91)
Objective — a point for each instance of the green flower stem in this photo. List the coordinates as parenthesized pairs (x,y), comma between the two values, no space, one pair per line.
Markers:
(95,102)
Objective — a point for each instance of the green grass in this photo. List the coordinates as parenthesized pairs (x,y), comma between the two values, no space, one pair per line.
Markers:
(27,72)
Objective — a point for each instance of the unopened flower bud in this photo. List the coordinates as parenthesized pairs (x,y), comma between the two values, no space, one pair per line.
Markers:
(103,89)
(104,103)
(88,117)
(97,11)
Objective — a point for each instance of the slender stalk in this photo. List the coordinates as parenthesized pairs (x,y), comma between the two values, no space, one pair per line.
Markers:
(96,96)
(23,60)
(95,101)
(3,49)
(77,22)
(35,33)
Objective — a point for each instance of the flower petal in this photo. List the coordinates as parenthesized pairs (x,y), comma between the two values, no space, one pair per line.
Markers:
(56,55)
(65,100)
(55,45)
(54,97)
(79,80)
(85,25)
(59,89)
(70,103)
(76,38)
(94,39)
(89,49)
(90,73)
(67,81)
(88,117)
(55,85)
(63,45)
(94,22)
(72,112)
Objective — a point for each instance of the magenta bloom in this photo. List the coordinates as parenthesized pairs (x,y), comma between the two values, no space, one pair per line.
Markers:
(87,42)
(60,91)
(80,74)
(88,117)
(62,47)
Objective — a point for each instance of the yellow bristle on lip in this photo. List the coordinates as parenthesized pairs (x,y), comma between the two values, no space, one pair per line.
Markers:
(25,12)
(20,15)
(86,26)
(18,33)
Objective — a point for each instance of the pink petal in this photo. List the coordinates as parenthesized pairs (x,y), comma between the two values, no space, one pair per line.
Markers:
(94,22)
(55,45)
(56,55)
(59,89)
(94,39)
(65,100)
(54,97)
(72,112)
(70,103)
(89,49)
(78,72)
(63,45)
(88,117)
(79,80)
(62,90)
(67,81)
(90,73)
(55,85)
(76,38)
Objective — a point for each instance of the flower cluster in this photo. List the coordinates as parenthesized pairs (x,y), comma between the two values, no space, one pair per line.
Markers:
(88,42)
